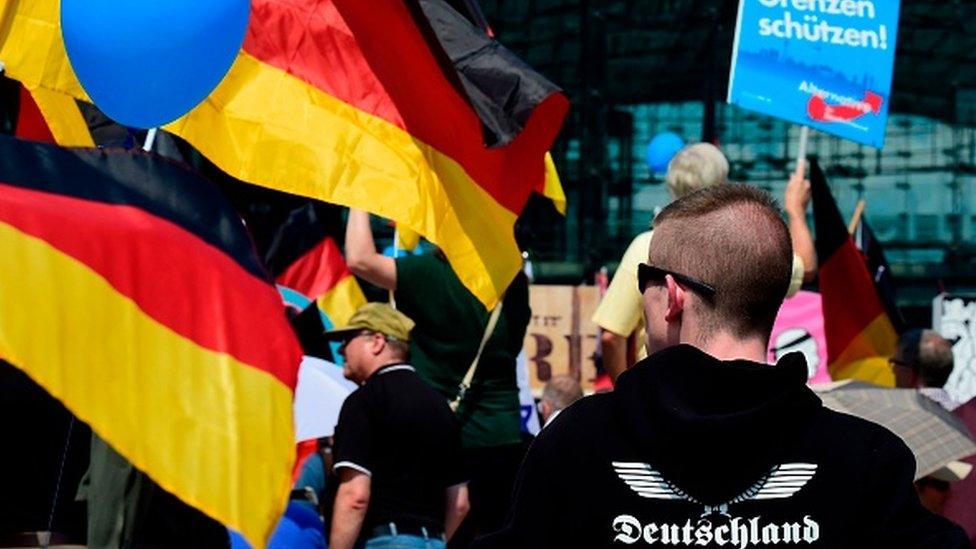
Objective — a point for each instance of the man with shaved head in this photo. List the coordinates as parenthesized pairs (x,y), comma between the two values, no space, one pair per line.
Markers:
(695,167)
(704,444)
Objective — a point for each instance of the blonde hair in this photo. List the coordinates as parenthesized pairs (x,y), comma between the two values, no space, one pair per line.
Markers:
(696,167)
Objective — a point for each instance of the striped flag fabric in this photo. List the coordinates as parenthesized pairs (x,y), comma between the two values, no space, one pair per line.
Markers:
(131,291)
(30,122)
(296,238)
(357,103)
(860,336)
(874,256)
(51,117)
(361,112)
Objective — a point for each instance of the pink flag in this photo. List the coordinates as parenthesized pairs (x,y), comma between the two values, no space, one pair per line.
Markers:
(800,327)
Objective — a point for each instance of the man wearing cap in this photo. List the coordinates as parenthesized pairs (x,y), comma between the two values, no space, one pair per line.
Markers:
(397,444)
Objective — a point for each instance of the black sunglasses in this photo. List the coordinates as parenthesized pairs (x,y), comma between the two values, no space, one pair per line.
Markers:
(348,339)
(647,273)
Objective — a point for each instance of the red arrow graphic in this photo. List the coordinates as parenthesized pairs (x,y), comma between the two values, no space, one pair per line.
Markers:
(819,110)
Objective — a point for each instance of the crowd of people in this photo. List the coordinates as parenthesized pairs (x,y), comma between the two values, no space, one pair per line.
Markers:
(700,442)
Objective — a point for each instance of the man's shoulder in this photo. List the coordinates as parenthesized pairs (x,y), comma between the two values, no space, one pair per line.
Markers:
(583,418)
(850,426)
(408,388)
(855,436)
(355,398)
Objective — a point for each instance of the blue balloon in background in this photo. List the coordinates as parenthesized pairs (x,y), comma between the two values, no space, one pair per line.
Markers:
(147,62)
(662,149)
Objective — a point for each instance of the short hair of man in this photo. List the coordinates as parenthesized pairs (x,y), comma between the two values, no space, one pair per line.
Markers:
(561,391)
(400,349)
(696,167)
(733,238)
(934,359)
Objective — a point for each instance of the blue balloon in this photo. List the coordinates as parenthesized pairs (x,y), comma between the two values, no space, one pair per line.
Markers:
(662,149)
(148,62)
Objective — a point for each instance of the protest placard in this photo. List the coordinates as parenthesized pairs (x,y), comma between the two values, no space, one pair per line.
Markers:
(954,317)
(799,327)
(561,338)
(826,64)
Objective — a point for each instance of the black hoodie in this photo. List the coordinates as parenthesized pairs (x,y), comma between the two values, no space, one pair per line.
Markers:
(690,451)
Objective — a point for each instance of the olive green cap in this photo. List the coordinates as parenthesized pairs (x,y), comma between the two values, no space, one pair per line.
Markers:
(375,317)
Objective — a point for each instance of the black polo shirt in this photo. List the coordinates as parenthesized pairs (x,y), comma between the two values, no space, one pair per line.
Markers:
(401,432)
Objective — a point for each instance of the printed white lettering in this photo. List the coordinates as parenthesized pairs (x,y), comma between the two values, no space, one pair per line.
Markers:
(800,21)
(670,534)
(720,534)
(791,532)
(737,532)
(847,100)
(703,535)
(811,530)
(770,533)
(650,533)
(628,528)
(754,530)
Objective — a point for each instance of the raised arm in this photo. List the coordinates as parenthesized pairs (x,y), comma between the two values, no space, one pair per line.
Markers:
(795,201)
(614,348)
(361,255)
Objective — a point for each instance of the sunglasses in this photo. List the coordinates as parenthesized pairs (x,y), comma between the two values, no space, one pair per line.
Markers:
(348,340)
(646,273)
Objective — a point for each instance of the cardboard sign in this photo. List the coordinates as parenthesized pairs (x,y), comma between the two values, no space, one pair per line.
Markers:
(826,64)
(799,326)
(561,338)
(955,318)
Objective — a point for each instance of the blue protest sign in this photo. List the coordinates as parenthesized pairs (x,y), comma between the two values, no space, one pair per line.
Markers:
(826,64)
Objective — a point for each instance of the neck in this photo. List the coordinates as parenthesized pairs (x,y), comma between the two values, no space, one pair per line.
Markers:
(382,361)
(724,346)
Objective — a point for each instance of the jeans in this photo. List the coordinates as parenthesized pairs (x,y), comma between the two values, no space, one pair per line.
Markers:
(402,541)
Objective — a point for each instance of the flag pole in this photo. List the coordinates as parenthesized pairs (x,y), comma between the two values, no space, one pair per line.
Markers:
(801,150)
(396,252)
(150,139)
(856,218)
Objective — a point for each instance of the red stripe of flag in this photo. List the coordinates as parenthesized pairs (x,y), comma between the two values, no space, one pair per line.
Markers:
(30,122)
(168,272)
(346,49)
(316,272)
(850,302)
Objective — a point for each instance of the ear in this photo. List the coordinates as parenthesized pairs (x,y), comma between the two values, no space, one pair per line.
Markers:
(545,408)
(676,299)
(376,344)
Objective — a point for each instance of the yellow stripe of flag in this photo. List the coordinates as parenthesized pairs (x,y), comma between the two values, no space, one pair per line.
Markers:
(389,171)
(143,387)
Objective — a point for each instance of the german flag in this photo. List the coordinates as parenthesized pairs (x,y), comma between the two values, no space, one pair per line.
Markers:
(357,103)
(131,291)
(297,239)
(860,336)
(880,271)
(51,117)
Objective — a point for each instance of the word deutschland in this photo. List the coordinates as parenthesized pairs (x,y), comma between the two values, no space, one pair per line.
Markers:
(813,29)
(738,532)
